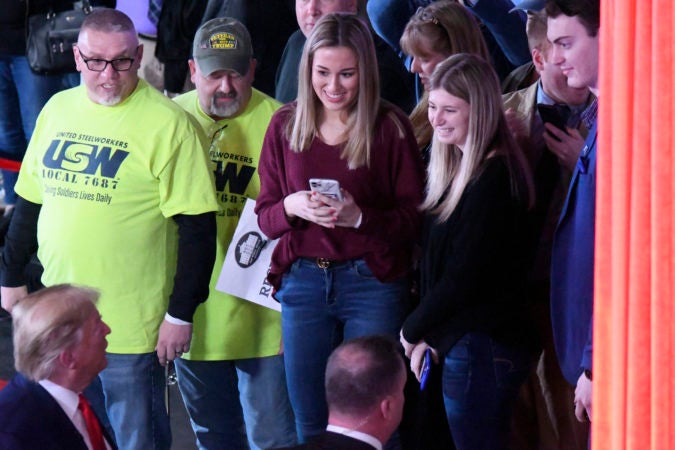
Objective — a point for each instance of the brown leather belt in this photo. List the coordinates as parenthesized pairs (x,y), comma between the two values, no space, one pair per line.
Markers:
(325,263)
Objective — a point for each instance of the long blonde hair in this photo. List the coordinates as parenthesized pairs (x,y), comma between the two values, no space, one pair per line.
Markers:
(339,30)
(450,170)
(448,28)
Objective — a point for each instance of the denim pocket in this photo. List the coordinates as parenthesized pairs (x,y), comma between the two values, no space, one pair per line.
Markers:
(362,270)
(511,366)
(288,279)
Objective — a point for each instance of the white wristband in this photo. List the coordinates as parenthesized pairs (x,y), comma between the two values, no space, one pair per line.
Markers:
(175,321)
(358,222)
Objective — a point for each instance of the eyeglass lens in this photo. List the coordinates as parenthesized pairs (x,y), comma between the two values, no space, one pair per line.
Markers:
(99,65)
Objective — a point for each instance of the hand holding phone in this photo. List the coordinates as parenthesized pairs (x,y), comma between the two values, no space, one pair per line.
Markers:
(556,115)
(326,186)
(426,368)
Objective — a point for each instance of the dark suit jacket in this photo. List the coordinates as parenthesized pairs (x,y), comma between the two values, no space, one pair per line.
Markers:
(333,441)
(31,419)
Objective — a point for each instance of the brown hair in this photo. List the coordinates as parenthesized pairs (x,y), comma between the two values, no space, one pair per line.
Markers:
(588,12)
(362,372)
(448,28)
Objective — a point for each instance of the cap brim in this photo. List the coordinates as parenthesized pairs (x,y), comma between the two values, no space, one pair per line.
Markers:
(210,64)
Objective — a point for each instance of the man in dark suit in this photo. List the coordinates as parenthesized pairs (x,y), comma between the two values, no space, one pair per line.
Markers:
(364,390)
(59,347)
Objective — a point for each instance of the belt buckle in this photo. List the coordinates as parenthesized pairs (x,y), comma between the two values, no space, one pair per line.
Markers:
(323,263)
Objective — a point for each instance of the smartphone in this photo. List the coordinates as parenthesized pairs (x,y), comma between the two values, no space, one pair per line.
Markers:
(426,368)
(557,115)
(326,186)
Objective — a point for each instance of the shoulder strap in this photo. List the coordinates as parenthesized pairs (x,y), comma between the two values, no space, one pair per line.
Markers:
(86,6)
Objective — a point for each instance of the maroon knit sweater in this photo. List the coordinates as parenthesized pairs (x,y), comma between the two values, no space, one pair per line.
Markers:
(388,193)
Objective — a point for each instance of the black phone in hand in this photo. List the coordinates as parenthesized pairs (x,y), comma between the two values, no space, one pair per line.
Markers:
(557,115)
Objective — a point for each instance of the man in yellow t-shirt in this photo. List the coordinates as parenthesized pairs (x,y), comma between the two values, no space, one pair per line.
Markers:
(116,186)
(235,363)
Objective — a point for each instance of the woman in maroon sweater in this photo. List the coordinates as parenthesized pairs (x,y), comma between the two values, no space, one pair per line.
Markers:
(340,268)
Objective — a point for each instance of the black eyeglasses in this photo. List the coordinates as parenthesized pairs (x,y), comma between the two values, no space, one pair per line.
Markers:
(99,65)
(426,16)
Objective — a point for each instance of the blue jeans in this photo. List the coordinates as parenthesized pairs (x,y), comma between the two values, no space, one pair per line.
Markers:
(223,396)
(134,388)
(320,308)
(22,96)
(481,380)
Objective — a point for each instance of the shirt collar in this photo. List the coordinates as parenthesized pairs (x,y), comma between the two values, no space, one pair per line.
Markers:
(577,112)
(590,114)
(67,399)
(368,439)
(542,97)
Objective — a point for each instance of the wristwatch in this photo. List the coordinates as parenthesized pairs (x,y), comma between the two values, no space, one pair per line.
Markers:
(589,374)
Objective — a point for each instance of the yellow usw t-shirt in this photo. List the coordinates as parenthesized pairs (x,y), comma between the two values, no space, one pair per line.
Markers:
(227,327)
(109,178)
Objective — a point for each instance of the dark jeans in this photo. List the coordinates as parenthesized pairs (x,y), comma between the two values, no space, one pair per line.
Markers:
(22,96)
(320,308)
(481,379)
(133,388)
(230,400)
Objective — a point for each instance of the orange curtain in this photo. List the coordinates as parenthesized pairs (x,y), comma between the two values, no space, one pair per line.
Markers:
(634,315)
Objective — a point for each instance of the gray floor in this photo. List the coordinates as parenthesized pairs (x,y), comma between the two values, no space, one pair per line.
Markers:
(183,439)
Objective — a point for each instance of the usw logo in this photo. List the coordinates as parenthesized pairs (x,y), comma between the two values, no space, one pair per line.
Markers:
(84,158)
(227,174)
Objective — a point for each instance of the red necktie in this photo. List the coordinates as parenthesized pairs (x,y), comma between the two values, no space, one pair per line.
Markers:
(93,426)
